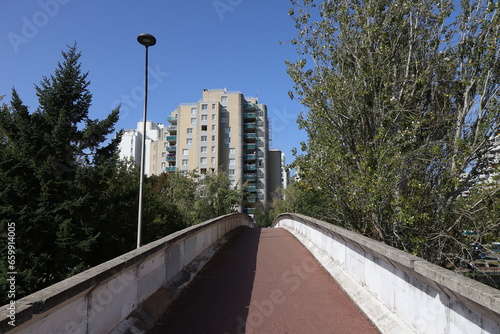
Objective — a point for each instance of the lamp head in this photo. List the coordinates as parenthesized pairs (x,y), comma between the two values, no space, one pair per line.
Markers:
(146,39)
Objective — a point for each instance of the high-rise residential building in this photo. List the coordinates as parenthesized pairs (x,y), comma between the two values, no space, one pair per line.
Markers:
(131,143)
(224,131)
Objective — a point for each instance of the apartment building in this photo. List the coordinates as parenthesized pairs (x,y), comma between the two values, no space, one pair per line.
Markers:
(223,131)
(131,144)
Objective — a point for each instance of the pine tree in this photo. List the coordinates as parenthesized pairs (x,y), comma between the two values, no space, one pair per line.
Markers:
(54,164)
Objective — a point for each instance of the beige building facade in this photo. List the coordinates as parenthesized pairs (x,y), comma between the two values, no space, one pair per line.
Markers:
(223,131)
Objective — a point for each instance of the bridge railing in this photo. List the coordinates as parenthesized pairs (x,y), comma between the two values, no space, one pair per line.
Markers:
(126,294)
(399,292)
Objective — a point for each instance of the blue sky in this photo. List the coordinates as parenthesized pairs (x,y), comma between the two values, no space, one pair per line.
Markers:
(233,44)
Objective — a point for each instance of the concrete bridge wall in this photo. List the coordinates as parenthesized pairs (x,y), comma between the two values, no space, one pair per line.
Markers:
(126,294)
(399,292)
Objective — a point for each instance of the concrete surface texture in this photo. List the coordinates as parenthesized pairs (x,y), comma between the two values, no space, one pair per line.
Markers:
(263,281)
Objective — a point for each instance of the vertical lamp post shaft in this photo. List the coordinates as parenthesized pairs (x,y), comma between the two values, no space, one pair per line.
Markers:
(146,40)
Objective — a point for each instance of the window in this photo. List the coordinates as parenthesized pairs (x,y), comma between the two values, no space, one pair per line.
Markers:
(203,128)
(203,149)
(228,130)
(203,138)
(213,149)
(213,160)
(231,172)
(232,151)
(214,117)
(228,140)
(223,99)
(204,106)
(189,141)
(213,138)
(193,110)
(193,120)
(184,162)
(204,117)
(203,160)
(232,162)
(223,119)
(189,130)
(214,106)
(213,127)
(185,152)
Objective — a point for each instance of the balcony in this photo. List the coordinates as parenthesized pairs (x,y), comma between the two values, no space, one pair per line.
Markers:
(172,119)
(249,136)
(252,199)
(172,129)
(250,167)
(249,127)
(172,138)
(170,169)
(249,106)
(249,157)
(170,158)
(249,177)
(251,189)
(249,147)
(249,115)
(171,148)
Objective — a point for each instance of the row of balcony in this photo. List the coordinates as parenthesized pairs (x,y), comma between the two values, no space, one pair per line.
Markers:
(169,169)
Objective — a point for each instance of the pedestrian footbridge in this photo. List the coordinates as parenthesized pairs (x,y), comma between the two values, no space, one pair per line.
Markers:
(301,275)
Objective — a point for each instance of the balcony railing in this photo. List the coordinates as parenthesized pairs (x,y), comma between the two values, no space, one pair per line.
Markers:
(249,177)
(249,167)
(172,119)
(249,126)
(171,138)
(170,169)
(249,136)
(171,148)
(249,157)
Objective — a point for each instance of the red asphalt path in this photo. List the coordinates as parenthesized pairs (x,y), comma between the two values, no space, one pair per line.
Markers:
(263,281)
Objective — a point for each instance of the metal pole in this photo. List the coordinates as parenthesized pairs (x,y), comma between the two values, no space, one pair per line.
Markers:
(143,153)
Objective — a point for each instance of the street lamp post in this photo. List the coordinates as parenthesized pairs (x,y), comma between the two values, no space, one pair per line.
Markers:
(147,40)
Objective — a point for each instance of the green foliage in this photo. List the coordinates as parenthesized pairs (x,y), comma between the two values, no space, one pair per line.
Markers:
(402,103)
(73,202)
(198,197)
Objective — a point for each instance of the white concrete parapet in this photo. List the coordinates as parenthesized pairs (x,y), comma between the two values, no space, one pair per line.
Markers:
(399,292)
(126,294)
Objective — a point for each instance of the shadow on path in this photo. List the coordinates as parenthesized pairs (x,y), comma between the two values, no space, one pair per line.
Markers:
(217,299)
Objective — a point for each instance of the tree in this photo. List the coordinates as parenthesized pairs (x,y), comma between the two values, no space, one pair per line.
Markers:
(402,100)
(54,164)
(216,197)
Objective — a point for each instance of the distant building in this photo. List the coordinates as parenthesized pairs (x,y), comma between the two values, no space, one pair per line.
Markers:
(131,143)
(224,131)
